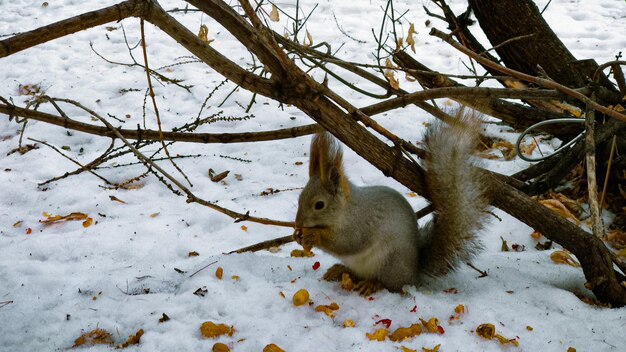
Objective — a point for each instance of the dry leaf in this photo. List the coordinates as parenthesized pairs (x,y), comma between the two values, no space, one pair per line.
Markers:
(406,349)
(300,297)
(87,222)
(244,228)
(132,339)
(563,257)
(390,75)
(203,33)
(115,199)
(559,208)
(218,177)
(409,37)
(219,272)
(527,149)
(617,238)
(434,349)
(50,219)
(349,323)
(432,325)
(299,253)
(329,310)
(404,334)
(310,38)
(211,330)
(488,331)
(274,17)
(272,348)
(164,318)
(378,335)
(235,278)
(17,224)
(220,347)
(94,337)
(154,215)
(193,254)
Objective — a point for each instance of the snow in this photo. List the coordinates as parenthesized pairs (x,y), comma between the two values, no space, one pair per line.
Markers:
(132,265)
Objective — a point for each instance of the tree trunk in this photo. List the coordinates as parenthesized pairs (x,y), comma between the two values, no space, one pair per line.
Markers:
(502,20)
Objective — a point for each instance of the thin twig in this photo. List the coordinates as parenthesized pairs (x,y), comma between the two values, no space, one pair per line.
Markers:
(590,160)
(83,167)
(525,77)
(204,267)
(154,104)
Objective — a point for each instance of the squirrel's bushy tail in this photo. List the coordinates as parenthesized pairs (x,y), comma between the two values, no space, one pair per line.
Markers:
(457,192)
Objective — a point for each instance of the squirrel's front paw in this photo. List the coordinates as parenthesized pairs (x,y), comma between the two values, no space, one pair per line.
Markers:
(335,272)
(368,287)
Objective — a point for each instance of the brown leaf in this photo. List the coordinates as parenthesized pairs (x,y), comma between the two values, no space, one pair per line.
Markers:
(94,337)
(115,199)
(218,177)
(409,38)
(203,33)
(563,257)
(193,254)
(50,219)
(220,347)
(219,272)
(274,17)
(164,318)
(132,340)
(559,208)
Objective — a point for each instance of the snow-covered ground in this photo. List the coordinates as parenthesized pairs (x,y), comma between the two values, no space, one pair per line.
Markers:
(132,264)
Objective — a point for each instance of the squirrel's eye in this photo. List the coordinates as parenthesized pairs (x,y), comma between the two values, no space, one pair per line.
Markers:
(319,205)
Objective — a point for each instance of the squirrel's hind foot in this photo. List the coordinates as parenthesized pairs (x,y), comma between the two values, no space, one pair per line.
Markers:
(368,287)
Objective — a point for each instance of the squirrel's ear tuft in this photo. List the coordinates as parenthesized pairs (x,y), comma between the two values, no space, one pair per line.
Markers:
(326,163)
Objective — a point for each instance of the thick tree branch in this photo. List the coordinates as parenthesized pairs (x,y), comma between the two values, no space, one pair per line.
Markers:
(152,135)
(71,25)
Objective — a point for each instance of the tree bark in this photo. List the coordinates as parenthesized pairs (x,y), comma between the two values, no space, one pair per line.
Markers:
(502,20)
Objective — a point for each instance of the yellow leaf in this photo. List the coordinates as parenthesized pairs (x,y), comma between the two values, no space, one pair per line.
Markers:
(211,330)
(219,272)
(559,208)
(87,222)
(235,278)
(329,310)
(434,349)
(404,334)
(154,215)
(378,335)
(94,337)
(274,14)
(300,297)
(272,348)
(220,347)
(406,349)
(431,325)
(349,323)
(310,38)
(132,340)
(563,257)
(409,37)
(390,75)
(203,33)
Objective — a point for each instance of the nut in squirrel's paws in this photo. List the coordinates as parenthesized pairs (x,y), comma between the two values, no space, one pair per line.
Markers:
(368,287)
(308,237)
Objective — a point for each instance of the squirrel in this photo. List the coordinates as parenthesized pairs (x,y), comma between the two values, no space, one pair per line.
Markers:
(373,230)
